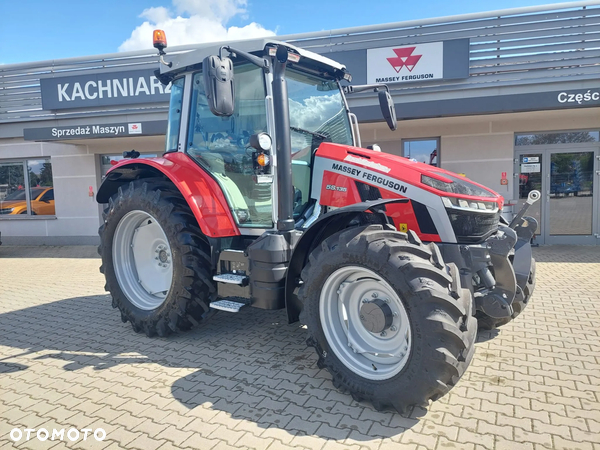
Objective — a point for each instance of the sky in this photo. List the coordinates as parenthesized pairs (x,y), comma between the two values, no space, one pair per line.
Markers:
(38,30)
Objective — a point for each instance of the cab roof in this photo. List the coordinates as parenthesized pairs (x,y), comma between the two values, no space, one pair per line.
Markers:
(192,59)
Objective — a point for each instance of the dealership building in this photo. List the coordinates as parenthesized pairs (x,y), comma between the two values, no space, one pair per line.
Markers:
(509,98)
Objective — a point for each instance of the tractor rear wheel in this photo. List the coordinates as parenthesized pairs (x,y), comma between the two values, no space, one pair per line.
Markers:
(388,319)
(156,264)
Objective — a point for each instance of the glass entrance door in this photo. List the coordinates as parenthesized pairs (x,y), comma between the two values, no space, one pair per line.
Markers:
(568,212)
(571,195)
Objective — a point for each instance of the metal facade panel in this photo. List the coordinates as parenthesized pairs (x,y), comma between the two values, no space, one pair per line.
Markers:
(456,53)
(432,32)
(508,49)
(538,101)
(355,62)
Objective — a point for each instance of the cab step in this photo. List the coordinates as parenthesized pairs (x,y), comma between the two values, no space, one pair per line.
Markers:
(227,305)
(231,278)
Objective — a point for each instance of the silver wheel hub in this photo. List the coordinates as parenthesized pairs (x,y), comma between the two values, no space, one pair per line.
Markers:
(376,316)
(142,260)
(163,256)
(365,322)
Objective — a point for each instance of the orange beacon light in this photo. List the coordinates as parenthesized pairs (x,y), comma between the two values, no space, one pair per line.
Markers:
(159,39)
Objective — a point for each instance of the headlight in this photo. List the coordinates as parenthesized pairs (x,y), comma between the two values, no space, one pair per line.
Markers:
(458,185)
(472,227)
(472,220)
(6,210)
(470,205)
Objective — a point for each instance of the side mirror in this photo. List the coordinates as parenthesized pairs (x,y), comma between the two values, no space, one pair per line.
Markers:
(218,84)
(388,109)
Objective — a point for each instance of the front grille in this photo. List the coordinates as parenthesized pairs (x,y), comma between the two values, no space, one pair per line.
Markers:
(471,227)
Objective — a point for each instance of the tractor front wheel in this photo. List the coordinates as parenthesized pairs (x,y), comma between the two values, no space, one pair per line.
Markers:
(387,317)
(154,259)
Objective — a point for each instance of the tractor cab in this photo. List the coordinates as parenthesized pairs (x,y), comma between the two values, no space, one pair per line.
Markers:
(237,147)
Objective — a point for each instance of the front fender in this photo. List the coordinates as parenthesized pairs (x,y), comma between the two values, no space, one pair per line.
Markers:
(202,193)
(325,226)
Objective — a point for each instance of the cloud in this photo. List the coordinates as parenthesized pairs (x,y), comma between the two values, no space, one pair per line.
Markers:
(313,112)
(192,22)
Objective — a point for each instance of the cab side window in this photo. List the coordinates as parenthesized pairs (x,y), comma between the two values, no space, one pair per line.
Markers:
(174,115)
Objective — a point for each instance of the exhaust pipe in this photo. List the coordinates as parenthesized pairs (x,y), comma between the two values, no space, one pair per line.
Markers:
(283,147)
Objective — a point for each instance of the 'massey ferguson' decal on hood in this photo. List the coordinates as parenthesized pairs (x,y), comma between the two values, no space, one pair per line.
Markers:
(371,177)
(432,201)
(368,163)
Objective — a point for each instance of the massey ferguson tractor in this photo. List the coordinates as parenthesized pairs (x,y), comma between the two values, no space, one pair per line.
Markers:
(265,198)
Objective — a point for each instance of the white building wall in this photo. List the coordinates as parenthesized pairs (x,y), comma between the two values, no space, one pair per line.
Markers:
(481,147)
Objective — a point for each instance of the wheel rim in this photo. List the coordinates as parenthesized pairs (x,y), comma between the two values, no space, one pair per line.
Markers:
(376,350)
(142,260)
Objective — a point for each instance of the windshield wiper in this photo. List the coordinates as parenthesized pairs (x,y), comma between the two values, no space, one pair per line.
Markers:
(312,133)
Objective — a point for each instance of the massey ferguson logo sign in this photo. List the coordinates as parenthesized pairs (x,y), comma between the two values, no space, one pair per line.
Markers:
(405,64)
(404,58)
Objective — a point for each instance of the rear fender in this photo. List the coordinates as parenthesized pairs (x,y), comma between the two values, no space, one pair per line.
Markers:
(202,193)
(325,226)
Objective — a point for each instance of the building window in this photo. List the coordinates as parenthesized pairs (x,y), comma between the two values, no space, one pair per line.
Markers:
(423,150)
(26,188)
(572,137)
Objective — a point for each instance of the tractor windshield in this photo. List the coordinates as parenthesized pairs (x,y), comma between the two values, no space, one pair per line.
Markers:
(317,115)
(220,144)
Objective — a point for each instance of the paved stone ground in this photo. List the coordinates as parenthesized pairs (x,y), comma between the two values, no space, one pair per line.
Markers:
(247,380)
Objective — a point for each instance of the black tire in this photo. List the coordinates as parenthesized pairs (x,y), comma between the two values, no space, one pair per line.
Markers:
(489,323)
(443,328)
(192,289)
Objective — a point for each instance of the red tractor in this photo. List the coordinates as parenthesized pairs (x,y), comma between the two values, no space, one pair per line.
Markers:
(264,197)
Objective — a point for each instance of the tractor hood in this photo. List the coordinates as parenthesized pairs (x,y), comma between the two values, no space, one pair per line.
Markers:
(433,179)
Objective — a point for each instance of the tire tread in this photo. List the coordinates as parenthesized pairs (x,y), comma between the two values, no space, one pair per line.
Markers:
(446,321)
(192,293)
